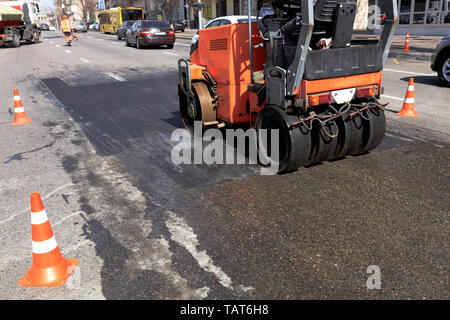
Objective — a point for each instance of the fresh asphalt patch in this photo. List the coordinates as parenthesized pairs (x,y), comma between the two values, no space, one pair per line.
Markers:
(140,115)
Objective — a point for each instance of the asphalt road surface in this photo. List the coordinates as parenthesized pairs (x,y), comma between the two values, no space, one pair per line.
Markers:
(98,152)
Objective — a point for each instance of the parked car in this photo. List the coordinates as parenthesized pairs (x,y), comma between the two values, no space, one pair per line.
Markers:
(44,27)
(221,21)
(123,29)
(440,61)
(51,28)
(94,26)
(179,25)
(150,32)
(81,27)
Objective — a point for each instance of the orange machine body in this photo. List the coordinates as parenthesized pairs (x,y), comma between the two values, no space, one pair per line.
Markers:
(224,53)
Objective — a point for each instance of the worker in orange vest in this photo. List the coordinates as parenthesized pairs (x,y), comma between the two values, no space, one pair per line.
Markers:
(67,30)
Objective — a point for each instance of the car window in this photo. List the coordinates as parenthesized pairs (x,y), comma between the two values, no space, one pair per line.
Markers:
(214,23)
(155,24)
(224,22)
(245,20)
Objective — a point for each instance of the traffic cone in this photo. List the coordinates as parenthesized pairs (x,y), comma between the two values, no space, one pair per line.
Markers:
(406,48)
(19,112)
(408,104)
(49,268)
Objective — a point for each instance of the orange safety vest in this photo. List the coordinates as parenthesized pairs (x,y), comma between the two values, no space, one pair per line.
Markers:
(65,25)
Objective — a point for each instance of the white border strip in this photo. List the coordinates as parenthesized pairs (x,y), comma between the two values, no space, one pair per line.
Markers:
(44,246)
(115,76)
(38,217)
(391,97)
(410,72)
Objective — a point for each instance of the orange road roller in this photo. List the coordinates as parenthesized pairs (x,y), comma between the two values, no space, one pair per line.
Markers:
(295,68)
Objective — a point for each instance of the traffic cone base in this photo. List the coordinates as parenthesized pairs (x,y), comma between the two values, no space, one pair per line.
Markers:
(21,120)
(53,276)
(407,113)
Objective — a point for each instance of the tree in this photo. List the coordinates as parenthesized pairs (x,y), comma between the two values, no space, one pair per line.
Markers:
(62,7)
(87,8)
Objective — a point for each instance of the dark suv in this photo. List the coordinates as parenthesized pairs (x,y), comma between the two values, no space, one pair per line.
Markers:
(178,25)
(440,61)
(123,28)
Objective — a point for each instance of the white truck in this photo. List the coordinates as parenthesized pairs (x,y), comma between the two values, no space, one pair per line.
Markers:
(19,21)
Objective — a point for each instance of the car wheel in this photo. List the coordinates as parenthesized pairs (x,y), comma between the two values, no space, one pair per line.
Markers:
(138,44)
(443,69)
(170,46)
(16,40)
(127,43)
(119,37)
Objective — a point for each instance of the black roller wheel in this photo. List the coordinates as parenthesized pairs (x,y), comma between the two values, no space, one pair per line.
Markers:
(200,109)
(354,133)
(341,139)
(324,141)
(294,144)
(374,135)
(138,44)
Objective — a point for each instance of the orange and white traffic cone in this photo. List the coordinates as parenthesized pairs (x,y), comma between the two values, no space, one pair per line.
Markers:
(406,48)
(19,113)
(408,104)
(49,268)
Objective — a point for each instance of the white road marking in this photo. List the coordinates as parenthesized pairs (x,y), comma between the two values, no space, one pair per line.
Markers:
(43,198)
(391,97)
(84,60)
(172,54)
(116,43)
(68,51)
(115,76)
(410,72)
(183,234)
(100,39)
(182,44)
(58,46)
(51,42)
(397,137)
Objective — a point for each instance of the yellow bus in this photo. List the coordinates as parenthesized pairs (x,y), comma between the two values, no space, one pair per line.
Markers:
(111,19)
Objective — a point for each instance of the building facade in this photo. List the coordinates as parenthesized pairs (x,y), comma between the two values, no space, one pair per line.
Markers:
(422,17)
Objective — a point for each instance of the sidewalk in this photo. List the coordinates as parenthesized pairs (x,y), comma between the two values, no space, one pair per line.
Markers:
(420,47)
(187,34)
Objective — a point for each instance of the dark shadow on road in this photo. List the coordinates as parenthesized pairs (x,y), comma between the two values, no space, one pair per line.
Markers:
(431,80)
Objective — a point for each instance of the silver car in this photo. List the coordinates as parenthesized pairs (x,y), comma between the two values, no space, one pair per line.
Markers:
(440,61)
